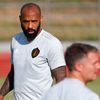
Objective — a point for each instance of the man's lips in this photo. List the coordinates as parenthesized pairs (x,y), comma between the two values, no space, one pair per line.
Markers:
(31,32)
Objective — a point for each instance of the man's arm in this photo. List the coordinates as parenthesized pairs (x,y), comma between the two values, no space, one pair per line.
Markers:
(59,73)
(8,84)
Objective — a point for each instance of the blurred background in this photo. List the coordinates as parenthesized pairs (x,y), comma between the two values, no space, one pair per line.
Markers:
(69,20)
(66,19)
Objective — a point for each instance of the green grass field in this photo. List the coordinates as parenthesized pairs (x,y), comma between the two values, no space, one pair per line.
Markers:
(95,86)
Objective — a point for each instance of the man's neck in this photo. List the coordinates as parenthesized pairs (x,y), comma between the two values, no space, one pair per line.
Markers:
(75,75)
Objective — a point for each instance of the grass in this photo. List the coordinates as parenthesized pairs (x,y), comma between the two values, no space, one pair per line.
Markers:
(95,86)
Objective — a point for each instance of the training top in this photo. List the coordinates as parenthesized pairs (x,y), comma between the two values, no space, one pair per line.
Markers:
(33,63)
(70,89)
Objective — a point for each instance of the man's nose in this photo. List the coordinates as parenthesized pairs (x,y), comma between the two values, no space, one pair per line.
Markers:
(30,25)
(98,67)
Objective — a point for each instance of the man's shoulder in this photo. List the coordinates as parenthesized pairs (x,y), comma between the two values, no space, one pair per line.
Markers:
(18,38)
(50,37)
(17,35)
(92,94)
(88,93)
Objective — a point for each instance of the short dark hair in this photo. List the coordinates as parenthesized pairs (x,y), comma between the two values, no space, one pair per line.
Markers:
(77,51)
(29,5)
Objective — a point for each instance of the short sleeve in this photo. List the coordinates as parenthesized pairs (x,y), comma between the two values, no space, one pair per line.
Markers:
(56,55)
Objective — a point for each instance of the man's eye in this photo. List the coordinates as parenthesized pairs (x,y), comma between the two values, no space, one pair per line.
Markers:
(34,21)
(25,21)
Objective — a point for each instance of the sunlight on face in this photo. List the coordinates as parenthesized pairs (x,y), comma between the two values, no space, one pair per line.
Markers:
(90,66)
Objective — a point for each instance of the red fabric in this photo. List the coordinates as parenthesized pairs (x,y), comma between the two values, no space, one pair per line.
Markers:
(4,64)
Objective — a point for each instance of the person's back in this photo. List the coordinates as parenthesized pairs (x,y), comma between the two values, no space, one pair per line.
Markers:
(70,89)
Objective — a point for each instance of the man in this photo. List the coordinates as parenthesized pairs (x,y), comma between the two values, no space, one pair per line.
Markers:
(83,63)
(36,56)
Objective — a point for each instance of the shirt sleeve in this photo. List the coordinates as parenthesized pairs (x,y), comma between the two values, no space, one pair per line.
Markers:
(56,55)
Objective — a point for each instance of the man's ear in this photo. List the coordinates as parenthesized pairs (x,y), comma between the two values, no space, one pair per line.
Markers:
(78,66)
(41,18)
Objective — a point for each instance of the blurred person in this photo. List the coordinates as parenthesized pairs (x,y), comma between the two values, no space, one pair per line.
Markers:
(83,62)
(36,57)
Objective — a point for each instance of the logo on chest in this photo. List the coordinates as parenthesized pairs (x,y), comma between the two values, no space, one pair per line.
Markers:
(35,52)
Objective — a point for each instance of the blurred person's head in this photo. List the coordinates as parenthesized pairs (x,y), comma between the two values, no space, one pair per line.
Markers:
(30,18)
(82,61)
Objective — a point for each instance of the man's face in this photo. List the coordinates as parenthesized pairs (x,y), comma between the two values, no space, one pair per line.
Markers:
(90,65)
(30,23)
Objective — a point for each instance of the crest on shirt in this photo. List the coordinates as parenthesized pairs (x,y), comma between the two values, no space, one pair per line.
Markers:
(35,52)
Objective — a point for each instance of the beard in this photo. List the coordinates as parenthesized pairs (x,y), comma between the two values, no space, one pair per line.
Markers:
(34,32)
